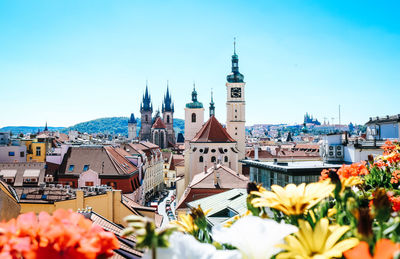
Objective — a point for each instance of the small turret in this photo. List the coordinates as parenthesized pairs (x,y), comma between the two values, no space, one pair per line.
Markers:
(132,132)
(212,105)
(235,76)
(195,103)
(132,119)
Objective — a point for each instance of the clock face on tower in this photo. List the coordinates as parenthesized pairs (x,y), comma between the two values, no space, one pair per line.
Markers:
(236,92)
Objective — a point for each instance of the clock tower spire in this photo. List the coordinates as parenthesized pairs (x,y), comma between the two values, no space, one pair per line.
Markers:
(235,105)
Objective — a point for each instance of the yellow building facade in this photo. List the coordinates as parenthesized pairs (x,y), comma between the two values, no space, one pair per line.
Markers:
(111,205)
(36,151)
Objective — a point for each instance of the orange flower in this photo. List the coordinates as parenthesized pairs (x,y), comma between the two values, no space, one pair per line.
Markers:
(389,146)
(324,175)
(380,163)
(395,201)
(355,169)
(395,176)
(392,158)
(384,249)
(65,234)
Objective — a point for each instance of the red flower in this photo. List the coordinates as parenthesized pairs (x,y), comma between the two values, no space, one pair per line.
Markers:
(395,201)
(380,163)
(324,175)
(384,249)
(355,169)
(395,176)
(65,234)
(389,146)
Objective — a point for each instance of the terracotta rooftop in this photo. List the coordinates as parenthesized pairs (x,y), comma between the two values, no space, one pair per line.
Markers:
(158,124)
(261,154)
(203,183)
(212,131)
(120,162)
(228,179)
(148,145)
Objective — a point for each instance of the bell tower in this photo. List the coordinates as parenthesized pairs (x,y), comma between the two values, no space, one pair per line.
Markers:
(235,105)
(132,123)
(194,117)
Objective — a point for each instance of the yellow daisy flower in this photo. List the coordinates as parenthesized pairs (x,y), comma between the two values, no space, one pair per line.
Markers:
(320,243)
(235,218)
(185,224)
(292,199)
(351,181)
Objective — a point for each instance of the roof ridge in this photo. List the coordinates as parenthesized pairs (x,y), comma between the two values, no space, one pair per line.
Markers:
(117,167)
(212,131)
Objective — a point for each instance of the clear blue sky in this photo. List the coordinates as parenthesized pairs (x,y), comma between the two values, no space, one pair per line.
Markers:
(71,61)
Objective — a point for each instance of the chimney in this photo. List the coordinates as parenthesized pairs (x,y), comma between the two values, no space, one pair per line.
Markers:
(256,152)
(216,177)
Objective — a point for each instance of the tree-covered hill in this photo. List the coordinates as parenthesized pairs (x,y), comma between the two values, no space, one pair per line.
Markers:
(112,125)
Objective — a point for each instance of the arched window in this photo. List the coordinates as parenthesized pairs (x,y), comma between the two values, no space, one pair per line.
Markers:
(156,138)
(168,119)
(146,118)
(213,159)
(201,159)
(162,140)
(226,159)
(193,117)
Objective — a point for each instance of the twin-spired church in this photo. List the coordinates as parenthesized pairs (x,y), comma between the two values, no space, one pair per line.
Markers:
(158,130)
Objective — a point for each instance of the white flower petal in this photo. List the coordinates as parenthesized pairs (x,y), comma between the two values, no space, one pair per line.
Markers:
(253,236)
(186,246)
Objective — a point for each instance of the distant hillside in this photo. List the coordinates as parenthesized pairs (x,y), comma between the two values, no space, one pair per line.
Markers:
(113,125)
(27,129)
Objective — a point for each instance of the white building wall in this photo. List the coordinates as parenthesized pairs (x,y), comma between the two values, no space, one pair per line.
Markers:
(16,150)
(191,128)
(355,155)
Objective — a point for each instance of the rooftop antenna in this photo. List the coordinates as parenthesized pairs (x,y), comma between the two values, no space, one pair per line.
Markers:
(234,45)
(339,116)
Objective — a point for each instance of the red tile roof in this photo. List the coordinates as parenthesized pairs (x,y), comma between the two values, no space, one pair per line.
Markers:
(212,131)
(228,179)
(120,162)
(203,184)
(159,124)
(261,154)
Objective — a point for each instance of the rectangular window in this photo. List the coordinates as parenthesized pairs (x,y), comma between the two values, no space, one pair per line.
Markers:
(71,168)
(85,168)
(11,153)
(22,154)
(38,151)
(88,183)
